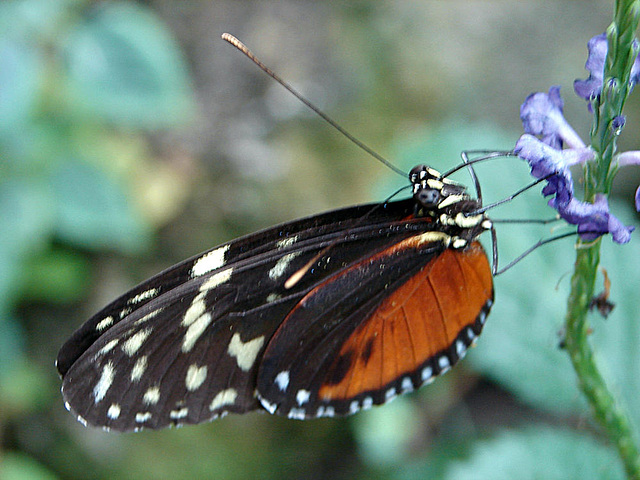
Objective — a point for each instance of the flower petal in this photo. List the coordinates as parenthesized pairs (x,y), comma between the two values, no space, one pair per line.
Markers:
(545,161)
(592,219)
(638,199)
(590,88)
(541,114)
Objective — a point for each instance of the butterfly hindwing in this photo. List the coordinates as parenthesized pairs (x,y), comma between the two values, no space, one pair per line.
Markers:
(384,326)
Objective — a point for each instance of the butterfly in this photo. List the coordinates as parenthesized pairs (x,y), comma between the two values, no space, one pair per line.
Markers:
(319,317)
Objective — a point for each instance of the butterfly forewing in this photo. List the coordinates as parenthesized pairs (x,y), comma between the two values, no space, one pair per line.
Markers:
(187,345)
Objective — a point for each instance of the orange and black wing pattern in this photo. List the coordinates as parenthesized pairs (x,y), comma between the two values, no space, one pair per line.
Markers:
(382,327)
(385,298)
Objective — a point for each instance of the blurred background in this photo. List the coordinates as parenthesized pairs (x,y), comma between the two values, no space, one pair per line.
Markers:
(132,137)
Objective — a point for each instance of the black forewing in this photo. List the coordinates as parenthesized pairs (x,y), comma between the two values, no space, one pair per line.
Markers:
(133,369)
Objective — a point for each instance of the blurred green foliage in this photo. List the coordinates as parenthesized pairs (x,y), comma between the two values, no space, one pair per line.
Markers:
(88,88)
(74,77)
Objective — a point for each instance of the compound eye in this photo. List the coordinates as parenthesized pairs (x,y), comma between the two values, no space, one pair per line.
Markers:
(427,197)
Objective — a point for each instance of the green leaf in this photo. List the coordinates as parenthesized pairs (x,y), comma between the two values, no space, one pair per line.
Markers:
(55,276)
(124,65)
(19,83)
(542,452)
(12,342)
(93,211)
(17,466)
(26,222)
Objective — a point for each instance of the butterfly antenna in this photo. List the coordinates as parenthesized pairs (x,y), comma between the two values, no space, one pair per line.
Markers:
(227,37)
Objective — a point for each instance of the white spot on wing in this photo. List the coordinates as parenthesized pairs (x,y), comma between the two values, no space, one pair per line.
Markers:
(282,380)
(143,296)
(139,368)
(108,347)
(407,384)
(104,383)
(216,279)
(286,242)
(268,406)
(195,377)
(210,261)
(427,374)
(444,363)
(195,311)
(151,396)
(281,265)
(148,316)
(178,414)
(297,413)
(105,323)
(245,353)
(133,343)
(225,397)
(367,403)
(390,394)
(272,297)
(142,417)
(302,396)
(194,331)
(354,406)
(114,411)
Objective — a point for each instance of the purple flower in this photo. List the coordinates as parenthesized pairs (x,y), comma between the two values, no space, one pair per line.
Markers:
(591,88)
(592,220)
(541,114)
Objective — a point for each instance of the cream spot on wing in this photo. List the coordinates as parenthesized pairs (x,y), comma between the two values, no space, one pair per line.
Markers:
(151,396)
(302,396)
(286,242)
(194,331)
(147,294)
(142,417)
(195,377)
(114,411)
(104,383)
(225,397)
(281,265)
(210,261)
(108,347)
(139,368)
(195,311)
(148,316)
(282,380)
(178,414)
(105,323)
(133,343)
(245,353)
(216,279)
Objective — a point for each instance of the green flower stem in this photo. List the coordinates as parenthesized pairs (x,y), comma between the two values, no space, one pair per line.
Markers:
(598,177)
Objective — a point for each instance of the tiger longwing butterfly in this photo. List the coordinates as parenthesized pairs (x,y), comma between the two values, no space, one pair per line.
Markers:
(394,297)
(319,317)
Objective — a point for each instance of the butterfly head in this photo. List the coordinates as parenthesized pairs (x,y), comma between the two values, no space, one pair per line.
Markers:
(433,192)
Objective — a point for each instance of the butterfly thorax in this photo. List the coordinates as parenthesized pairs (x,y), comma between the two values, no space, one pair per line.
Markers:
(449,204)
